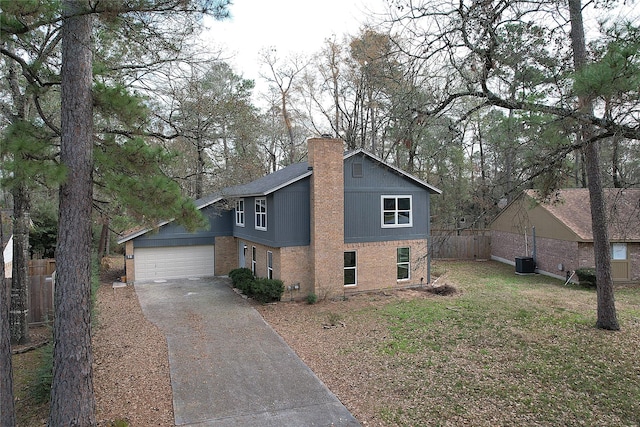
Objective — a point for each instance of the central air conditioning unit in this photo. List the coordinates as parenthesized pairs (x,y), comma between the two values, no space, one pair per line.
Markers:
(525,265)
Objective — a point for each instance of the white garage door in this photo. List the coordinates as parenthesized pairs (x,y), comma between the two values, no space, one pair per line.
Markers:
(175,262)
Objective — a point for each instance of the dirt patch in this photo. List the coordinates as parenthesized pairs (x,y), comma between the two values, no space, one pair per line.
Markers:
(39,336)
(131,369)
(441,290)
(351,330)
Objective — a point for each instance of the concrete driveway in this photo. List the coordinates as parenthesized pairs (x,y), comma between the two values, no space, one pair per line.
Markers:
(228,367)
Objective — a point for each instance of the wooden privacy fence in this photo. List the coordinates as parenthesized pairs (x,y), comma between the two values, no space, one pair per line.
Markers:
(41,290)
(462,247)
(40,293)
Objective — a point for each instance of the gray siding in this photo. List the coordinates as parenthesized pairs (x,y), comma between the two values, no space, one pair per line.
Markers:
(287,217)
(172,234)
(292,222)
(362,207)
(288,212)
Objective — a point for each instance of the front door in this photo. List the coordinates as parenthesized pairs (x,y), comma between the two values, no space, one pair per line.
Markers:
(619,262)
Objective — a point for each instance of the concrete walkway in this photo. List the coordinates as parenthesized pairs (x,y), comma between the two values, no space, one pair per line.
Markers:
(228,367)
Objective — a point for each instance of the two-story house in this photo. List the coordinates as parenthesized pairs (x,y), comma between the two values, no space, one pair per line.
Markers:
(338,223)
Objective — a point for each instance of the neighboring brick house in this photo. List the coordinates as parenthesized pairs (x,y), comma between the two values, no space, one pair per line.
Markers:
(336,224)
(563,237)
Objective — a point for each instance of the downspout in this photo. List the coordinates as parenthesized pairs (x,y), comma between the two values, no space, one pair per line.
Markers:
(428,259)
(533,253)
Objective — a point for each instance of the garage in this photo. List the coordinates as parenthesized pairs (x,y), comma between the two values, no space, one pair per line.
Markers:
(173,262)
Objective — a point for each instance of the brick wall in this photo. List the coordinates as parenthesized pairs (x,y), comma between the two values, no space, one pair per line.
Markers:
(327,214)
(377,264)
(295,267)
(128,263)
(586,257)
(634,260)
(291,264)
(556,256)
(507,245)
(226,255)
(550,253)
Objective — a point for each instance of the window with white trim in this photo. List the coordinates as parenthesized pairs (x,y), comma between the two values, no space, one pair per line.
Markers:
(254,260)
(396,211)
(240,212)
(403,264)
(350,269)
(261,214)
(269,265)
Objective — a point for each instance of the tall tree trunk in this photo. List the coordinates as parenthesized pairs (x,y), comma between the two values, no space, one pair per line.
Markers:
(615,162)
(18,316)
(7,406)
(289,126)
(72,399)
(199,167)
(103,244)
(607,318)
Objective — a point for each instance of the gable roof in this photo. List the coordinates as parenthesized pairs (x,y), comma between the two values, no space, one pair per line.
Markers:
(396,170)
(571,207)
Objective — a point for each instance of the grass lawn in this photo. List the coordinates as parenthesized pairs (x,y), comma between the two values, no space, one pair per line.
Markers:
(505,350)
(515,350)
(29,411)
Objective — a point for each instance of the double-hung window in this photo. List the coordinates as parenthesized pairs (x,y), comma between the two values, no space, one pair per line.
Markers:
(403,263)
(269,265)
(261,214)
(350,269)
(254,261)
(240,212)
(396,211)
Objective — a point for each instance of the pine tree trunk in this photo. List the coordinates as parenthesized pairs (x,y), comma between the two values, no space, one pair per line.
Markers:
(18,315)
(103,245)
(7,407)
(606,312)
(72,399)
(607,318)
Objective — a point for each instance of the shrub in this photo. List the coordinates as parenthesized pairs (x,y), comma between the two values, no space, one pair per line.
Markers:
(241,278)
(263,290)
(266,290)
(334,319)
(312,298)
(587,276)
(239,273)
(245,284)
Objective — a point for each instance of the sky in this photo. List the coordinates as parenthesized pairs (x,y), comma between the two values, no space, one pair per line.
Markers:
(291,26)
(299,26)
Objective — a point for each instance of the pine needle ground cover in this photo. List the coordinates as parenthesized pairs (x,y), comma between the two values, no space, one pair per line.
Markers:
(503,349)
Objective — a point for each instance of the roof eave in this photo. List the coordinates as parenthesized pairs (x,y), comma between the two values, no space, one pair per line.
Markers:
(160,224)
(272,189)
(141,232)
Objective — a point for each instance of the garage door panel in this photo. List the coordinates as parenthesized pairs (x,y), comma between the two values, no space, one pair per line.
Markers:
(174,262)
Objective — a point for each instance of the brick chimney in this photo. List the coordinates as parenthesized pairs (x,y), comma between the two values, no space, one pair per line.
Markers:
(326,157)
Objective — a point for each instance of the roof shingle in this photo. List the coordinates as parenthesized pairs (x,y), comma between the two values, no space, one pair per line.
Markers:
(571,206)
